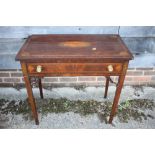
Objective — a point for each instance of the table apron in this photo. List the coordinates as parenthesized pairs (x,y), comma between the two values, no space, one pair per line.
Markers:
(74,74)
(74,69)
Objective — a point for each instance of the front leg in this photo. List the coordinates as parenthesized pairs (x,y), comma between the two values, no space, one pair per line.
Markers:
(30,93)
(116,98)
(118,92)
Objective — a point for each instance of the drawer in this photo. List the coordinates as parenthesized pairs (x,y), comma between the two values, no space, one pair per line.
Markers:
(49,68)
(99,67)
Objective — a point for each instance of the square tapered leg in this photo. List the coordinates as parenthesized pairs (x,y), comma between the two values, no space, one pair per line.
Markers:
(106,86)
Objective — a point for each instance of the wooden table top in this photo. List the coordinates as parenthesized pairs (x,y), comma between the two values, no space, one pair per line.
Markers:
(73,46)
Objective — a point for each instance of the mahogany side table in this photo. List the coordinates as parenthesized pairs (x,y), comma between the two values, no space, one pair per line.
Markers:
(74,55)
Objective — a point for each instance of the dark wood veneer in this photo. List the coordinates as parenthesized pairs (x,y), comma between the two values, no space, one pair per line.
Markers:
(74,55)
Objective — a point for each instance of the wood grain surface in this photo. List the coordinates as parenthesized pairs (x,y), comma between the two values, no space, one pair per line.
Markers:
(74,55)
(77,47)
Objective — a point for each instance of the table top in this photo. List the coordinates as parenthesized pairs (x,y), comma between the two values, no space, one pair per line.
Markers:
(73,46)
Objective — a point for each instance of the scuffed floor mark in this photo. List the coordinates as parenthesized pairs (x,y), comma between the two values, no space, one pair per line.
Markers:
(138,90)
(3,121)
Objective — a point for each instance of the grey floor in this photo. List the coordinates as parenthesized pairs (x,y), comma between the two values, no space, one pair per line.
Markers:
(70,119)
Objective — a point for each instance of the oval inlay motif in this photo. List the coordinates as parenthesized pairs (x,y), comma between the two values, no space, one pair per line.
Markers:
(75,44)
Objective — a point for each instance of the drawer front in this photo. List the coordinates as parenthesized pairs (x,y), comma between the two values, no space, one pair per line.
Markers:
(53,68)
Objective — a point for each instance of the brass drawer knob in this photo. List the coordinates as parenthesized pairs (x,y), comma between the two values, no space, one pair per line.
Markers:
(110,68)
(39,69)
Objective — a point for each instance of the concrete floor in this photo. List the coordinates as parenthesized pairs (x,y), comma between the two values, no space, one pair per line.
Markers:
(70,119)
